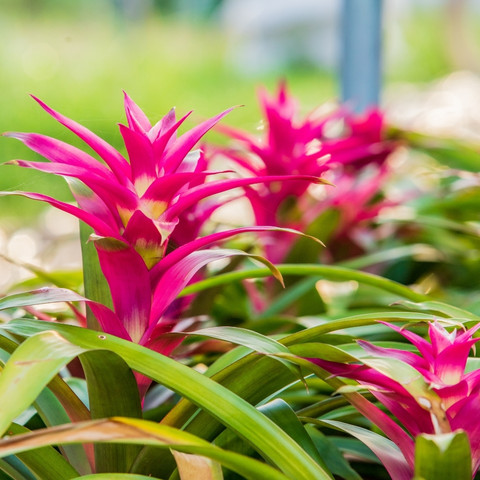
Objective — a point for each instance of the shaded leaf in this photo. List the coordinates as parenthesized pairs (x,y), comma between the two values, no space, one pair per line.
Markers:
(385,449)
(44,462)
(112,391)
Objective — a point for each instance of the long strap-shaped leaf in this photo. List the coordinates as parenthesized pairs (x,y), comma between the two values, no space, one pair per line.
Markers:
(112,391)
(115,476)
(326,271)
(264,377)
(46,463)
(96,287)
(129,430)
(222,404)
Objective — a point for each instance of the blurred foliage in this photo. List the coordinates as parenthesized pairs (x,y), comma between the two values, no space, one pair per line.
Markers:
(78,56)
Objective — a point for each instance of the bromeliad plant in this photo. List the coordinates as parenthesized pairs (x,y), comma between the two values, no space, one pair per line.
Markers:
(145,213)
(246,413)
(348,150)
(427,391)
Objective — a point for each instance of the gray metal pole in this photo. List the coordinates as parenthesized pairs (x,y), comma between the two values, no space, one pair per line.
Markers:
(361,53)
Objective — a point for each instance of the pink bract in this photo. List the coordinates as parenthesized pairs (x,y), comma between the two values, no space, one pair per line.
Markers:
(293,146)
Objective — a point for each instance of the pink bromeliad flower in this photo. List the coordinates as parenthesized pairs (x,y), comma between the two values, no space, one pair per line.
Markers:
(427,392)
(293,146)
(141,213)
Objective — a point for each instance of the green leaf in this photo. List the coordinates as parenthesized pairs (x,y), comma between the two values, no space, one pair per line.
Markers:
(44,462)
(52,413)
(39,297)
(440,307)
(418,250)
(323,351)
(330,272)
(15,469)
(256,378)
(247,338)
(96,286)
(116,476)
(33,364)
(443,456)
(233,411)
(331,455)
(227,359)
(70,279)
(390,455)
(128,430)
(282,301)
(282,414)
(112,391)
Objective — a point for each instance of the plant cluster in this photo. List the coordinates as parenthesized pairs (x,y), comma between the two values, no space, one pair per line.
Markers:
(350,353)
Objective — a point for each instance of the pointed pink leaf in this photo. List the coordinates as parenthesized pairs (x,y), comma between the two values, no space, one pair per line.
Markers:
(163,343)
(163,189)
(108,320)
(140,152)
(184,250)
(236,134)
(407,357)
(451,361)
(413,417)
(142,233)
(113,194)
(90,202)
(162,125)
(453,395)
(202,191)
(98,225)
(111,156)
(463,336)
(385,424)
(164,141)
(194,161)
(424,347)
(384,449)
(137,120)
(173,280)
(61,152)
(129,281)
(179,149)
(244,162)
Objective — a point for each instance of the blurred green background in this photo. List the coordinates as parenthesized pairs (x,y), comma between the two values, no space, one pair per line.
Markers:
(77,56)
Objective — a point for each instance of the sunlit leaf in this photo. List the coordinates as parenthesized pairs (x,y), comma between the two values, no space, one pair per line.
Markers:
(233,411)
(127,430)
(443,456)
(195,467)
